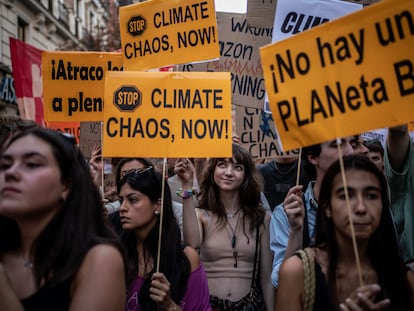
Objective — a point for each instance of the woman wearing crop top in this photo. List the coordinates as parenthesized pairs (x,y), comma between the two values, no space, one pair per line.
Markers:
(224,227)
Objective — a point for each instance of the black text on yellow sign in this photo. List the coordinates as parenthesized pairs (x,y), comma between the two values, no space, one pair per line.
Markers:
(158,33)
(167,114)
(73,84)
(355,77)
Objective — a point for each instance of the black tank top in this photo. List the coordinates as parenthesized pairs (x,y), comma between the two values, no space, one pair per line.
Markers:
(49,298)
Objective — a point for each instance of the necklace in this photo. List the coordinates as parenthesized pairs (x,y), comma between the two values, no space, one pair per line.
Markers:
(28,263)
(233,214)
(285,168)
(233,237)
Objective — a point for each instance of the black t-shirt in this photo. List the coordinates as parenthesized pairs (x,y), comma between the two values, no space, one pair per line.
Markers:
(279,178)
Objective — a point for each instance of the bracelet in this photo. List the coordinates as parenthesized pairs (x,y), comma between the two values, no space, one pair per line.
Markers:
(186,193)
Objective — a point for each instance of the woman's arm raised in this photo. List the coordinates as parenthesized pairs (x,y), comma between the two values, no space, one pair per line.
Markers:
(192,230)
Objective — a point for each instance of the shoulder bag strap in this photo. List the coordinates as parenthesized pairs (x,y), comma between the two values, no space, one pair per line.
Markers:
(309,279)
(256,255)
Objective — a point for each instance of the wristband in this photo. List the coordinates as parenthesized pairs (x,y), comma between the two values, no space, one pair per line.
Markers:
(186,193)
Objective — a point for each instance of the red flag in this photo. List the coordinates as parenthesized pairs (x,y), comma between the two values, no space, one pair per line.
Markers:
(27,74)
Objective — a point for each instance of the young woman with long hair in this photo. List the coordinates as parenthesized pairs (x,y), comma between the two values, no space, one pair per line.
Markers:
(386,283)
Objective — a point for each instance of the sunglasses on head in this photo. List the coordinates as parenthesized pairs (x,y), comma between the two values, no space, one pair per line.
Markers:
(136,171)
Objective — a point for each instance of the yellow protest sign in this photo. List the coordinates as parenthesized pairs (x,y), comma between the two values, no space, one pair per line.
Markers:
(167,114)
(165,32)
(73,84)
(411,126)
(239,54)
(344,77)
(72,128)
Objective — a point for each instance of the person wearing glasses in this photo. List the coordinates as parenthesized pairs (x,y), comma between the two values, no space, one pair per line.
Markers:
(162,274)
(56,250)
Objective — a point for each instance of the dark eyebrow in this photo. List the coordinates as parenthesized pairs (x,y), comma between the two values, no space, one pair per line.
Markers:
(342,188)
(25,155)
(373,188)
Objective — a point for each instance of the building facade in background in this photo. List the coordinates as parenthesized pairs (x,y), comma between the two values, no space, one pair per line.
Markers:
(52,25)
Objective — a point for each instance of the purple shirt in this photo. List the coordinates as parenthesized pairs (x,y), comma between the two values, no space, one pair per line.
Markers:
(196,296)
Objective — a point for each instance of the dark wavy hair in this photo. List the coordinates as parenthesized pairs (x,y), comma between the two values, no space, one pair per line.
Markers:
(249,194)
(174,264)
(79,223)
(383,249)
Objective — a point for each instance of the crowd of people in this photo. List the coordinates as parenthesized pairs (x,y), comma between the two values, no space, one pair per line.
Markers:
(334,231)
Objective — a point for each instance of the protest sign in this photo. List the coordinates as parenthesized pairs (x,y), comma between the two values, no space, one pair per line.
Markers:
(73,84)
(158,33)
(411,126)
(72,128)
(261,13)
(293,17)
(167,114)
(257,133)
(239,50)
(90,137)
(344,77)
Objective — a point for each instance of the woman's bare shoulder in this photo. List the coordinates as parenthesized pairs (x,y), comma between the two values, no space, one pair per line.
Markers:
(292,267)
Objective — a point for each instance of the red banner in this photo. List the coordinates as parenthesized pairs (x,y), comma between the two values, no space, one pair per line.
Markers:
(27,74)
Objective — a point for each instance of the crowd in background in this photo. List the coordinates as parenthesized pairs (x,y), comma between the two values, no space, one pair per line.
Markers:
(206,234)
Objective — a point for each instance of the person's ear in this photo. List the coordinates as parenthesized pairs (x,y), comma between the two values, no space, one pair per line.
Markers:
(328,211)
(157,207)
(313,159)
(65,192)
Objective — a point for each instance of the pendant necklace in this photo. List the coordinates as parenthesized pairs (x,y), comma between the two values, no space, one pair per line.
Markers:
(234,214)
(233,237)
(27,263)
